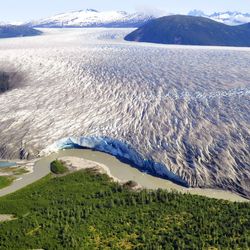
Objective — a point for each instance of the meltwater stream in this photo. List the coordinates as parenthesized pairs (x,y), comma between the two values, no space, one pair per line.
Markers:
(122,171)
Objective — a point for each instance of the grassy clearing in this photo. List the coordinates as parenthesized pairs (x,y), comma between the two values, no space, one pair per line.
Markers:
(14,170)
(5,181)
(20,171)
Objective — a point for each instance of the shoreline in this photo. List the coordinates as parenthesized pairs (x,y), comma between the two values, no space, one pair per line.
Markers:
(76,164)
(81,163)
(119,171)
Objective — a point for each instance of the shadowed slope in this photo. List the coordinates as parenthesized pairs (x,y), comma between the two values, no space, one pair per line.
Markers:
(17,31)
(189,30)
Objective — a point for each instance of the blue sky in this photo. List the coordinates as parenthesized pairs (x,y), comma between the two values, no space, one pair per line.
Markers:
(22,10)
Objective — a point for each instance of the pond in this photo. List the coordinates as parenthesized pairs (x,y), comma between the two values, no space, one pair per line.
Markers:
(6,164)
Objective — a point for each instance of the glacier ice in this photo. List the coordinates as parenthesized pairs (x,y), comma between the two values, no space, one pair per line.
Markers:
(116,148)
(184,107)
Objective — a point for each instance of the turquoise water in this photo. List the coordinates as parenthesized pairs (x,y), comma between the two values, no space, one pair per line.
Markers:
(5,164)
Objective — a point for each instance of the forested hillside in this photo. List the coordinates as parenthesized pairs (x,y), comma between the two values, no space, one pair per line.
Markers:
(85,210)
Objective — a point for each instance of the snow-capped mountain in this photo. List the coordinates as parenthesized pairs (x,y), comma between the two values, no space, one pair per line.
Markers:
(196,13)
(94,18)
(122,19)
(229,17)
(11,23)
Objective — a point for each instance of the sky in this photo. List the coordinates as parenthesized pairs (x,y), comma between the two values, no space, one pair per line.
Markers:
(26,10)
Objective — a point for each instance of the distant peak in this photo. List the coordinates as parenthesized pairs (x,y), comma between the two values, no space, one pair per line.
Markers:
(196,13)
(91,10)
(122,12)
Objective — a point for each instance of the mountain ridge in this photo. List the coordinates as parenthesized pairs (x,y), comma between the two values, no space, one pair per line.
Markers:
(226,17)
(93,18)
(121,19)
(9,31)
(191,30)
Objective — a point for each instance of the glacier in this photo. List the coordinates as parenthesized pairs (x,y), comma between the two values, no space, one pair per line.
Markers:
(119,149)
(185,108)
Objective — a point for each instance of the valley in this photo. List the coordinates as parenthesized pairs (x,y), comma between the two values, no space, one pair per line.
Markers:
(179,111)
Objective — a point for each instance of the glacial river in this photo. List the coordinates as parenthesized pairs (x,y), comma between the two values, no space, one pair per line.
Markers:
(118,169)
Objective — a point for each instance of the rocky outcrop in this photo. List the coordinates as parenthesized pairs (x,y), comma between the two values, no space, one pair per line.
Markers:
(4,82)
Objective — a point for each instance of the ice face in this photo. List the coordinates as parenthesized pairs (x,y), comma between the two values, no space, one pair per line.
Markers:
(185,107)
(116,148)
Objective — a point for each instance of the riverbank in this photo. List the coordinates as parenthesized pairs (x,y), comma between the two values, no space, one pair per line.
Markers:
(76,164)
(14,171)
(114,168)
(123,173)
(25,173)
